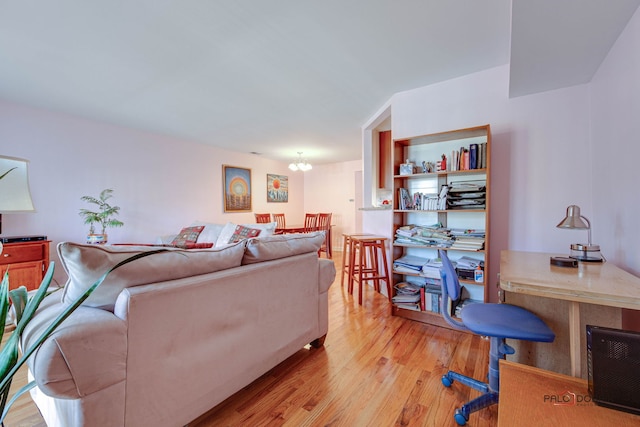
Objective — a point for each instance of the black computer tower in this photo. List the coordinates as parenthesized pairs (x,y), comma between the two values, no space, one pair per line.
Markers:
(613,363)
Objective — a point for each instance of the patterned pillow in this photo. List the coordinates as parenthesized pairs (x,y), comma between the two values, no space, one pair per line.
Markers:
(241,233)
(187,237)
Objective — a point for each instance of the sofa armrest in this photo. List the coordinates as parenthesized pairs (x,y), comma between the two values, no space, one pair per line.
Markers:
(326,274)
(87,353)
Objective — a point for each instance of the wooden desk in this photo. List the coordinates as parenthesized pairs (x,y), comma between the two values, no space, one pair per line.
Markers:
(601,284)
(534,397)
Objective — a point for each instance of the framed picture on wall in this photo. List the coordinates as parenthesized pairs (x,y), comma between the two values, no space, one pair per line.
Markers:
(237,188)
(277,188)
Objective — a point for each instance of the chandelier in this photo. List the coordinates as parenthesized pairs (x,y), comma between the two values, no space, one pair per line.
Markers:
(300,164)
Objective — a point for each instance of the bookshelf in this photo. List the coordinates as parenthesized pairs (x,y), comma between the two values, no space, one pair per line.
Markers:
(438,206)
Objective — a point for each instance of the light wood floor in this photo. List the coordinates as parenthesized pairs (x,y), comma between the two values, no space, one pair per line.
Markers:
(374,370)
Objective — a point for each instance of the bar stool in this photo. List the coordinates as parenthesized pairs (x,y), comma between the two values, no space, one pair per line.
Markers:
(346,249)
(365,266)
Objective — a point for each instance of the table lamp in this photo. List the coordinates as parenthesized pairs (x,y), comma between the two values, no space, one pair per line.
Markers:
(579,251)
(15,196)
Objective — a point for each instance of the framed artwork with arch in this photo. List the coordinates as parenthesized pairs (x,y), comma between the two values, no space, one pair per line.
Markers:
(237,188)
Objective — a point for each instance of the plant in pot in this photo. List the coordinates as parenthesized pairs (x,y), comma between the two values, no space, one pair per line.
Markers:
(103,215)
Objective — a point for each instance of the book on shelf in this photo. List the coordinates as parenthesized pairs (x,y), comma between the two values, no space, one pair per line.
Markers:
(462,304)
(405,298)
(434,235)
(483,155)
(407,288)
(432,268)
(408,306)
(475,244)
(410,262)
(473,156)
(466,186)
(469,262)
(467,232)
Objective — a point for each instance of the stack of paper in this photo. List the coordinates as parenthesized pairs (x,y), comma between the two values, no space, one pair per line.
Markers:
(409,264)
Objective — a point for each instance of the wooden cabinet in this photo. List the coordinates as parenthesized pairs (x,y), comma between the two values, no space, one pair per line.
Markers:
(27,263)
(459,214)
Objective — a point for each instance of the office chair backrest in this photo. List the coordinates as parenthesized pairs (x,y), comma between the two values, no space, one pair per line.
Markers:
(450,290)
(449,276)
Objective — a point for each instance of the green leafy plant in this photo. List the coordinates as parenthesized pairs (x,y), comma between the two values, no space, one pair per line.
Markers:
(105,213)
(25,308)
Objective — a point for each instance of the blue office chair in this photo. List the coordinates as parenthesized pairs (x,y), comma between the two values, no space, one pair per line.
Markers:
(496,321)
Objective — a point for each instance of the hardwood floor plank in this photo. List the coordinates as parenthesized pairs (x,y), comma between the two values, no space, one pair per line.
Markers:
(373,370)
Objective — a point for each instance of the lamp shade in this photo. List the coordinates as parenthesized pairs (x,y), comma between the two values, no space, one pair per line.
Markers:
(574,219)
(15,196)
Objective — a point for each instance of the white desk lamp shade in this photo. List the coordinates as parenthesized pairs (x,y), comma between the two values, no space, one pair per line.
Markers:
(15,196)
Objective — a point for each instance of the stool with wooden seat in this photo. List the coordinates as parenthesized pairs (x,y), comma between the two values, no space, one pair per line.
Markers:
(346,250)
(364,252)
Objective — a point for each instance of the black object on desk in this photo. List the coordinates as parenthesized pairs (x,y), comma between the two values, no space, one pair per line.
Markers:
(562,261)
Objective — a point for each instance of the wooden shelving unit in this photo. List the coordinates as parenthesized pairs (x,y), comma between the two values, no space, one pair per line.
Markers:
(430,148)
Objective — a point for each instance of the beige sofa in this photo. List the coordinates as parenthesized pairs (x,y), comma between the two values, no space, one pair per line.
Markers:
(169,336)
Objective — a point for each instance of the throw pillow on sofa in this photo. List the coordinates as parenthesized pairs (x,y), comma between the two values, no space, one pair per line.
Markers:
(242,233)
(85,264)
(188,236)
(227,232)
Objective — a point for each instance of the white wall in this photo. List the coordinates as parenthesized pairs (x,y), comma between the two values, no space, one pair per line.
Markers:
(615,131)
(332,188)
(615,128)
(161,183)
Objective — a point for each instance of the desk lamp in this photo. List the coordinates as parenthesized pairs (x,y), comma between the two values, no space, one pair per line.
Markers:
(15,196)
(580,251)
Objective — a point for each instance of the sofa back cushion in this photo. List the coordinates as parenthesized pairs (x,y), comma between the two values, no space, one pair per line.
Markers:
(85,264)
(281,246)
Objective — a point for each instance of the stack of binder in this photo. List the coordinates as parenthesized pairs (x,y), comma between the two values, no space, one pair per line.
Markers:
(467,195)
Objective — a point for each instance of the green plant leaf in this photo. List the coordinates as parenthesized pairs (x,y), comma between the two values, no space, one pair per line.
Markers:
(15,397)
(18,298)
(4,295)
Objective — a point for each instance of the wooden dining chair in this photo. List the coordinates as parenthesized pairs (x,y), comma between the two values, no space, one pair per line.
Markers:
(310,221)
(324,224)
(280,222)
(263,218)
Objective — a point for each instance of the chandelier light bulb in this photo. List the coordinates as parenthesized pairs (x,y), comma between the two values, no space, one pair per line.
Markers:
(300,164)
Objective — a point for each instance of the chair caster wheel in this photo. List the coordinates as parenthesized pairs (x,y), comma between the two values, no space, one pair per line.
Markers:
(460,419)
(446,381)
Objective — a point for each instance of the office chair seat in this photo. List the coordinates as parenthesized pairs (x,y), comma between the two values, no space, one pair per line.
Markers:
(507,321)
(496,321)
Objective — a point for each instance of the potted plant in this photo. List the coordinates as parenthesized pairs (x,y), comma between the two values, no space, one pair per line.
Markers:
(104,215)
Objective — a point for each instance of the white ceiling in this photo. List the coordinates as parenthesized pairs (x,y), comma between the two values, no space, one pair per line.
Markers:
(281,76)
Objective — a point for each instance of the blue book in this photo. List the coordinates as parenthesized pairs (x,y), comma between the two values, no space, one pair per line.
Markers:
(473,156)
